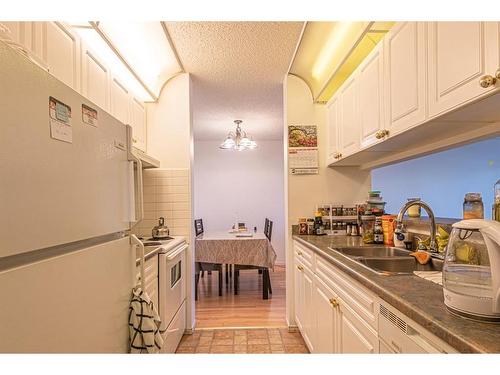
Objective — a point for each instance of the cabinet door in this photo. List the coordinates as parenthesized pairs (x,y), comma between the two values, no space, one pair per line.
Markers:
(298,296)
(95,79)
(325,317)
(459,54)
(349,117)
(61,53)
(370,86)
(405,76)
(308,323)
(332,129)
(120,100)
(138,123)
(356,336)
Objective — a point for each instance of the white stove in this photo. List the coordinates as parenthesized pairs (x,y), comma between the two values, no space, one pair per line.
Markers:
(155,242)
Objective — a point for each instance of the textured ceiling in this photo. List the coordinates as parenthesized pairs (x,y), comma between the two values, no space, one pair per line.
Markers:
(237,70)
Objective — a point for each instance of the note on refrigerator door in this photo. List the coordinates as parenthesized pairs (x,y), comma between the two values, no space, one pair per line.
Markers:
(89,115)
(60,121)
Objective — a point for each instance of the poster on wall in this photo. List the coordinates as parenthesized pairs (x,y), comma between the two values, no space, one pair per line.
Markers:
(303,149)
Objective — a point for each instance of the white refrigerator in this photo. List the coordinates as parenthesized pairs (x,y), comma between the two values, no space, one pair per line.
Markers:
(67,202)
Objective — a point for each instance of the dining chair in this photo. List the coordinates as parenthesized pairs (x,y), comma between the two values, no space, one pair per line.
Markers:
(201,267)
(266,282)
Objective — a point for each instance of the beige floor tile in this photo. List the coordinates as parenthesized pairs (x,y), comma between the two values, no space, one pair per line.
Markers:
(207,333)
(257,333)
(296,349)
(224,334)
(240,332)
(241,349)
(273,331)
(222,349)
(258,341)
(259,349)
(203,349)
(275,340)
(277,347)
(277,351)
(218,341)
(186,350)
(240,340)
(205,341)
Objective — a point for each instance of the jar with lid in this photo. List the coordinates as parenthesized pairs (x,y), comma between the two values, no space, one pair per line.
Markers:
(473,206)
(368,226)
(415,210)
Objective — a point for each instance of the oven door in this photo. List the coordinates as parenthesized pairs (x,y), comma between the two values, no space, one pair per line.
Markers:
(171,288)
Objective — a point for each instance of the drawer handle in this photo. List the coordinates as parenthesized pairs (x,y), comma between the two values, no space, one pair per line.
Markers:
(299,253)
(334,302)
(300,268)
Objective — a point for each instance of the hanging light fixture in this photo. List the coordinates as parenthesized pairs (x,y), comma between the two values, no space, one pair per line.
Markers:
(238,140)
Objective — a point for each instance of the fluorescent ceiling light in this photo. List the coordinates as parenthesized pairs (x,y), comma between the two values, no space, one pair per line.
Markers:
(145,48)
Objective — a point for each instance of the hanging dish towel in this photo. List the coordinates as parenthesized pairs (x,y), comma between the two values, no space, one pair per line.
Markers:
(144,324)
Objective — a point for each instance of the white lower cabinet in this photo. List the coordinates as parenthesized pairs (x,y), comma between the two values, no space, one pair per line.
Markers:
(355,335)
(336,314)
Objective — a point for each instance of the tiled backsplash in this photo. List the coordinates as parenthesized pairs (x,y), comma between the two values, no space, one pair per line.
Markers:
(167,194)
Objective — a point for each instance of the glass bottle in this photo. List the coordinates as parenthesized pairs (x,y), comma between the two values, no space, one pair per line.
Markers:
(473,206)
(496,202)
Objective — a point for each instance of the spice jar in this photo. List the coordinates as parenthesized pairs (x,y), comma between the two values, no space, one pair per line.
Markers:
(473,206)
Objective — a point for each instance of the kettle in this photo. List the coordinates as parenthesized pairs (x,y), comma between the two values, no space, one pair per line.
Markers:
(471,271)
(161,231)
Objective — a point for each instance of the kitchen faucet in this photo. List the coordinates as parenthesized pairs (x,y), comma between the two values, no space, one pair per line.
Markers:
(399,221)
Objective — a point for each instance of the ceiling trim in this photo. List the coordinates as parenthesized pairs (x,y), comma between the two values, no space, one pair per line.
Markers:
(172,46)
(95,26)
(297,47)
(307,84)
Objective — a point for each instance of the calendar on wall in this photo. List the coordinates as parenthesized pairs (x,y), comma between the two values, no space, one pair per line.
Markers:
(303,157)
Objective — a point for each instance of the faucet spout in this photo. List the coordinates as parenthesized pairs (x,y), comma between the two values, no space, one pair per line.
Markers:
(432,219)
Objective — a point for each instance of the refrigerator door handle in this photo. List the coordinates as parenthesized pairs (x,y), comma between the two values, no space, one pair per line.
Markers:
(132,157)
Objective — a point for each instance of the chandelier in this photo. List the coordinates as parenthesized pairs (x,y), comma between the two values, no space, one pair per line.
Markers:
(238,140)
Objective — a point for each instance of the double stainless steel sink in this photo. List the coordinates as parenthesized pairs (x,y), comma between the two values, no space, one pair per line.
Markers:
(388,260)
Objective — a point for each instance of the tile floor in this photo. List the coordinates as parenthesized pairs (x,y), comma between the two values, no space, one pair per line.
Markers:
(255,341)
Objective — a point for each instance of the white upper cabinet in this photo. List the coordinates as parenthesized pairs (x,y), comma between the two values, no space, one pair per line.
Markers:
(370,86)
(405,76)
(95,79)
(349,128)
(460,53)
(332,129)
(119,101)
(61,53)
(138,123)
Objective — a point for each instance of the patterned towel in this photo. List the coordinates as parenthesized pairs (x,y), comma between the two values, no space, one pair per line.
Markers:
(144,324)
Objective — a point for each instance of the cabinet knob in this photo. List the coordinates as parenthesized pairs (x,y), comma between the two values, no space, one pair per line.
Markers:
(378,135)
(300,268)
(134,140)
(385,132)
(299,253)
(334,302)
(497,74)
(487,81)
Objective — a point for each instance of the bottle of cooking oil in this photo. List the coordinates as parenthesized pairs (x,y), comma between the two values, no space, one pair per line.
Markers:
(496,202)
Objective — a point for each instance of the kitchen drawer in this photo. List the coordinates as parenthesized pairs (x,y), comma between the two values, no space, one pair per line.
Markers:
(304,255)
(172,336)
(361,300)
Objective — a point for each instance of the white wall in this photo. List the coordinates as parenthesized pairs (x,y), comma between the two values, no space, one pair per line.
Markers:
(303,193)
(249,183)
(169,124)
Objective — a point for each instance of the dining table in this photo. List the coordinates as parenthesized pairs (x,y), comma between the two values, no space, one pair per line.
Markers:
(230,248)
